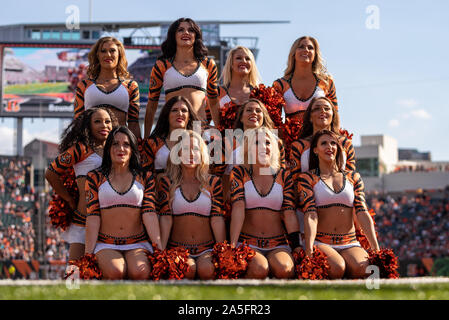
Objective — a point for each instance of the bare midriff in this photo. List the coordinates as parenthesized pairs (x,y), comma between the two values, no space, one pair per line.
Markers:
(191,229)
(263,223)
(121,221)
(335,219)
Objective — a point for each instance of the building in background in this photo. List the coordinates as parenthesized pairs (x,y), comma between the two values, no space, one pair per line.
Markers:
(377,155)
(385,168)
(41,153)
(413,155)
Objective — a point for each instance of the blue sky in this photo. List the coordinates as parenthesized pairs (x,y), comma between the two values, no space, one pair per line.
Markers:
(391,80)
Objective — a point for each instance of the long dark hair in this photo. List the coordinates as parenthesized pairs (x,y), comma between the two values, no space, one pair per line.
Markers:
(168,47)
(79,130)
(162,128)
(134,162)
(307,126)
(314,162)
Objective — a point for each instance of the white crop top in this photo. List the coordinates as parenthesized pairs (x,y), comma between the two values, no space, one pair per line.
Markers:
(109,198)
(200,206)
(160,160)
(175,80)
(118,98)
(294,104)
(326,197)
(92,162)
(224,100)
(254,200)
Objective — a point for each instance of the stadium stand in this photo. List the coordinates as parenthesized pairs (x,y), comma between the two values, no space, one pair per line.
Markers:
(415,226)
(19,207)
(16,209)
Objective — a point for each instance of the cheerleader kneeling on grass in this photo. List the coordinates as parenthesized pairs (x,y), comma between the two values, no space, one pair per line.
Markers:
(121,211)
(263,211)
(328,196)
(190,201)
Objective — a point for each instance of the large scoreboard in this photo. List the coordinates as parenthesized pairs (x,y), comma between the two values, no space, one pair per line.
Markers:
(39,79)
(41,63)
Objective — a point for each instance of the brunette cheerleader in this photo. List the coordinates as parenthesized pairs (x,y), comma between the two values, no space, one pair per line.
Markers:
(81,147)
(177,113)
(121,211)
(184,69)
(328,197)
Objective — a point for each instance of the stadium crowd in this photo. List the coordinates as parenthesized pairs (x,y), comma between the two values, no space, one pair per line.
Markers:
(421,168)
(55,248)
(414,227)
(18,207)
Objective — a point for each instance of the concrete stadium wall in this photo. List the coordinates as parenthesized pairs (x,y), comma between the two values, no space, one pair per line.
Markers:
(406,181)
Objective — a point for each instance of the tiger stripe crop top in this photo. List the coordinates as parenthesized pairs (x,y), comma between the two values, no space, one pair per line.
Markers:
(154,154)
(223,96)
(300,154)
(279,198)
(165,76)
(101,195)
(125,97)
(79,156)
(314,193)
(207,203)
(295,105)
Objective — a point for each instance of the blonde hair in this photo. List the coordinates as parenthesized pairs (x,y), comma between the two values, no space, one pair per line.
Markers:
(94,67)
(226,75)
(174,171)
(267,122)
(318,65)
(251,137)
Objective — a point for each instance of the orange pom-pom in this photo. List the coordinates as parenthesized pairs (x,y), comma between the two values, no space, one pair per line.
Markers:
(387,262)
(345,132)
(88,267)
(168,264)
(231,262)
(315,268)
(59,210)
(228,114)
(273,101)
(289,132)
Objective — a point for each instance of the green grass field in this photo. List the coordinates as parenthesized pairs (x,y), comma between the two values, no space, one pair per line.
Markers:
(294,291)
(35,88)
